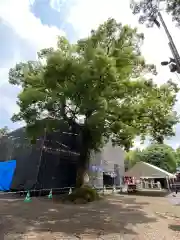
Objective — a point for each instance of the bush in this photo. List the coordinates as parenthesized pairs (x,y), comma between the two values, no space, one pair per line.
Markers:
(83,195)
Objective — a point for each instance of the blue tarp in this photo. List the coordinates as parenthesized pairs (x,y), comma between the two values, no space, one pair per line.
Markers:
(6,174)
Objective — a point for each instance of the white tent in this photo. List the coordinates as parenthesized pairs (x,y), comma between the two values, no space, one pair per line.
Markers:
(146,170)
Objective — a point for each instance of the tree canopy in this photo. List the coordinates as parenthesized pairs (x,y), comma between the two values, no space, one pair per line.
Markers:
(159,119)
(97,82)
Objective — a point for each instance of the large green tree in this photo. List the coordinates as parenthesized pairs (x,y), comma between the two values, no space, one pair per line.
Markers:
(98,80)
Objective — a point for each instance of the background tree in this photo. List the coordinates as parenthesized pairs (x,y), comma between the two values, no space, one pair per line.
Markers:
(131,158)
(148,10)
(4,141)
(4,131)
(98,80)
(178,156)
(160,155)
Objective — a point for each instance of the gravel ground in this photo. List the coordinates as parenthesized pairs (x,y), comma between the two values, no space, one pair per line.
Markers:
(114,218)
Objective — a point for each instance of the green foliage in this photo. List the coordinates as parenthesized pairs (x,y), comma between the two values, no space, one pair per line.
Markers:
(91,79)
(160,155)
(131,158)
(178,156)
(4,131)
(159,118)
(98,80)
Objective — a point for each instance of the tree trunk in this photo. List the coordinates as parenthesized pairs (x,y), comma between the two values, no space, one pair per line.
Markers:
(83,162)
(160,139)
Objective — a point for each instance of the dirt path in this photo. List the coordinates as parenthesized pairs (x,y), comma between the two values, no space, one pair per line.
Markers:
(116,217)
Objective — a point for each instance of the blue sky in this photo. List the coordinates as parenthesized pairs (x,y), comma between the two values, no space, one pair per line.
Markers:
(26,26)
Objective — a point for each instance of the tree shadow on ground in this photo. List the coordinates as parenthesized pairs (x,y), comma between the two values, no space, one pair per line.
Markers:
(174,227)
(112,215)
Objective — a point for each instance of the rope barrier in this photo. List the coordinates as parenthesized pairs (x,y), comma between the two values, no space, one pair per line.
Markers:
(53,189)
(35,190)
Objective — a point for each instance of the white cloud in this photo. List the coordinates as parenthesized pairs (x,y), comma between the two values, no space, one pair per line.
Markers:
(9,105)
(3,75)
(57,4)
(17,16)
(85,15)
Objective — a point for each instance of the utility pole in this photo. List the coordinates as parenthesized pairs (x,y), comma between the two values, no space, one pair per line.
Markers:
(171,45)
(151,13)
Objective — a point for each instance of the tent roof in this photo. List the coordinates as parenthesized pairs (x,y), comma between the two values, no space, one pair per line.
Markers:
(146,170)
